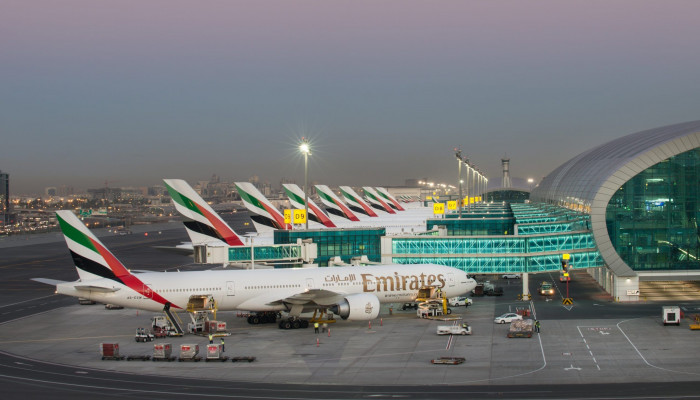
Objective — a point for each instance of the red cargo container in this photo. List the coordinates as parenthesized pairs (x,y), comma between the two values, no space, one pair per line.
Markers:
(109,349)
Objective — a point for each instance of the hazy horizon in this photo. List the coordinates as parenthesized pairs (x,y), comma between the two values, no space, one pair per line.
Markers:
(132,92)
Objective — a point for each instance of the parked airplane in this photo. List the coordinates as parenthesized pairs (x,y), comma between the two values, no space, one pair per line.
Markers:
(355,202)
(391,200)
(265,216)
(353,293)
(376,201)
(333,204)
(296,198)
(204,225)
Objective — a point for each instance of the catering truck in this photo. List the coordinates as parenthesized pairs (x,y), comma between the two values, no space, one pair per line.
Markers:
(462,329)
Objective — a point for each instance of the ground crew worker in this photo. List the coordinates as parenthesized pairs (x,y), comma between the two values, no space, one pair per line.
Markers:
(324,327)
(211,339)
(537,326)
(315,327)
(223,347)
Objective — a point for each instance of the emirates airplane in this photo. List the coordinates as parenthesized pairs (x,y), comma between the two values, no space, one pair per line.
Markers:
(353,293)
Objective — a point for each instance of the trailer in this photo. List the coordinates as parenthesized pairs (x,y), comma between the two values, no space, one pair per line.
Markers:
(521,328)
(462,329)
(242,358)
(448,360)
(110,351)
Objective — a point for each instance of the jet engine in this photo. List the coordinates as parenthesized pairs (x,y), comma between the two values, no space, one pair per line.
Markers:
(361,306)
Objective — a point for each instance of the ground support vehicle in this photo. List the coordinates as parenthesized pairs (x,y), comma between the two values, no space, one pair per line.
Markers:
(462,329)
(546,289)
(242,358)
(110,351)
(214,353)
(478,290)
(521,328)
(494,291)
(109,306)
(144,335)
(507,318)
(161,324)
(431,309)
(459,301)
(448,360)
(671,315)
(189,352)
(162,352)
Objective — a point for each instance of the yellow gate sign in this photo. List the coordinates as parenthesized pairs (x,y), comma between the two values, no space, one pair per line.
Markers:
(451,205)
(438,208)
(287,216)
(299,216)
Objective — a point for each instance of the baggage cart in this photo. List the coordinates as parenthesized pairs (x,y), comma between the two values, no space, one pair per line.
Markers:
(162,352)
(189,352)
(214,353)
(110,351)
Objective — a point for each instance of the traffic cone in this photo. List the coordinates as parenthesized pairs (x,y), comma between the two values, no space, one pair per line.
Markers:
(318,342)
(329,332)
(381,321)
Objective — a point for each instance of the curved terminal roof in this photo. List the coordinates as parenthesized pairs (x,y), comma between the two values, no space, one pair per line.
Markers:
(589,180)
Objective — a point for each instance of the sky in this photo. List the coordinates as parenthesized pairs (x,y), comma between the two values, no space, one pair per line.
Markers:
(133,91)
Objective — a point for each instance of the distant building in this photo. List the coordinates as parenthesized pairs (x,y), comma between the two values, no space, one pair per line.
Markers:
(5,197)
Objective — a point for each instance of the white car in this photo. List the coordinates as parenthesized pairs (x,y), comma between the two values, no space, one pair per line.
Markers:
(459,301)
(507,318)
(510,276)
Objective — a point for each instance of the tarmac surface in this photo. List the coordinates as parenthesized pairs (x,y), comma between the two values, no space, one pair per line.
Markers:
(596,348)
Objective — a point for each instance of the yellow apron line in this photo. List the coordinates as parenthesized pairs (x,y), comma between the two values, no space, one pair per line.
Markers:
(62,339)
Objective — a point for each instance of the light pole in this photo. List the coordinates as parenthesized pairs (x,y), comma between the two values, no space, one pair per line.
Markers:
(458,154)
(306,150)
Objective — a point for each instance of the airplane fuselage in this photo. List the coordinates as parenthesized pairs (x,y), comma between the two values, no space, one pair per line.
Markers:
(271,290)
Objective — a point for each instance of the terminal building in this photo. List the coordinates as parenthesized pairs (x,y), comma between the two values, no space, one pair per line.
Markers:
(625,211)
(641,194)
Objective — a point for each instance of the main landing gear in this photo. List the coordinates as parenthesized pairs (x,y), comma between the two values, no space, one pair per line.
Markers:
(268,317)
(293,323)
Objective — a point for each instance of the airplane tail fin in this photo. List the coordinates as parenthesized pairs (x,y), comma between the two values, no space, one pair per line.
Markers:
(333,204)
(355,202)
(265,214)
(206,225)
(376,200)
(90,256)
(391,200)
(296,198)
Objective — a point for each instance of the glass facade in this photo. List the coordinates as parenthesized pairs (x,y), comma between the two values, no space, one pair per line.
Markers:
(474,226)
(653,218)
(265,253)
(343,243)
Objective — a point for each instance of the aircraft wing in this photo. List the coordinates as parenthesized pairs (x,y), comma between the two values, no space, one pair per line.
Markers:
(307,297)
(47,281)
(94,288)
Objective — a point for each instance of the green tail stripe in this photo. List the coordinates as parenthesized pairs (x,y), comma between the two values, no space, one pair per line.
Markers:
(75,235)
(295,197)
(250,199)
(183,200)
(325,196)
(349,196)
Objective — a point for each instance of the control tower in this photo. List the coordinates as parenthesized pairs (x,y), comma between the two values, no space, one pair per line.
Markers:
(506,173)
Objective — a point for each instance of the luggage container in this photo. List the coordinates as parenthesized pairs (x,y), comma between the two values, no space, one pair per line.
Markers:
(110,351)
(214,353)
(189,352)
(162,352)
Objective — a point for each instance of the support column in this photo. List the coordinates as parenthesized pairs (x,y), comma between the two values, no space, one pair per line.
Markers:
(526,287)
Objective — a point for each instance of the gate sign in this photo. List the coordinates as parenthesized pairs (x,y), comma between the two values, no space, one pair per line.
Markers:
(287,216)
(299,216)
(451,205)
(633,292)
(438,208)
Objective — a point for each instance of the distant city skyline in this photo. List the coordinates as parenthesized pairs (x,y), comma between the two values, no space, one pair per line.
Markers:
(131,92)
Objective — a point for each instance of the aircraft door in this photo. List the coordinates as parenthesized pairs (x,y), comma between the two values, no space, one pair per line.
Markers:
(309,283)
(230,288)
(450,279)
